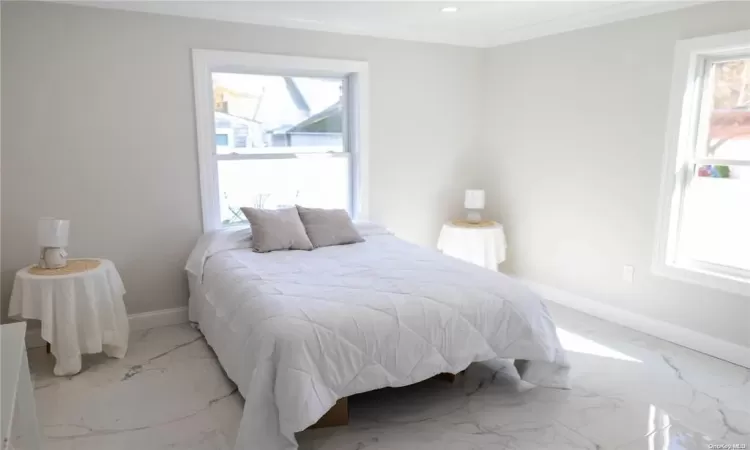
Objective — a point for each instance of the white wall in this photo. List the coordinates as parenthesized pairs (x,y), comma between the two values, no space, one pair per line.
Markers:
(98,127)
(576,127)
(1,140)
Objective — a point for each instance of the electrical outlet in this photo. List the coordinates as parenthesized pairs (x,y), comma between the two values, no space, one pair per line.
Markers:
(627,273)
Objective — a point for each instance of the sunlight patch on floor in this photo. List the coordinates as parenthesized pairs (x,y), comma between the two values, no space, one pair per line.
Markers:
(576,343)
(658,425)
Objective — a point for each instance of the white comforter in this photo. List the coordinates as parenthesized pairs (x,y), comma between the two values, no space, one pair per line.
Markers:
(297,330)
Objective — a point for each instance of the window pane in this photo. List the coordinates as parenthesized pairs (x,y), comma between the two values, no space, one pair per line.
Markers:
(315,181)
(222,140)
(729,127)
(278,114)
(715,226)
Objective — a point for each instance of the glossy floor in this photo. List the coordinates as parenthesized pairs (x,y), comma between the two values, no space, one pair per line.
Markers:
(630,391)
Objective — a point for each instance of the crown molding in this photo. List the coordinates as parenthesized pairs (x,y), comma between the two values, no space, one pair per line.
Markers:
(606,15)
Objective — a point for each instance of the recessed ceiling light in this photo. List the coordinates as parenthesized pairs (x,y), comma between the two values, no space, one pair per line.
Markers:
(449,9)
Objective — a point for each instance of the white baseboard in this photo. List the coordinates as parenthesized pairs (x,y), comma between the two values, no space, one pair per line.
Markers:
(140,321)
(161,318)
(34,338)
(694,340)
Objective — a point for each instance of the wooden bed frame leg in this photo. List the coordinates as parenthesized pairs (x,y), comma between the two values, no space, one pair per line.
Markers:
(450,377)
(337,416)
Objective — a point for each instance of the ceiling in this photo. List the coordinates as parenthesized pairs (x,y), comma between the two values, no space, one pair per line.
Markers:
(475,24)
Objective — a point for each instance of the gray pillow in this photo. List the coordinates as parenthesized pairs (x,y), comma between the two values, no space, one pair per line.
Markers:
(327,227)
(277,229)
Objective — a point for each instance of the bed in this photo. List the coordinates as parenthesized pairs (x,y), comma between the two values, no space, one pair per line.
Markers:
(299,330)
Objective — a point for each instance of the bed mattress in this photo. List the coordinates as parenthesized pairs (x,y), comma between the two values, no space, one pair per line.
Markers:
(297,330)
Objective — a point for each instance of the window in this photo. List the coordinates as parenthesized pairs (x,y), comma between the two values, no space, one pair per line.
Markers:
(275,131)
(704,229)
(222,140)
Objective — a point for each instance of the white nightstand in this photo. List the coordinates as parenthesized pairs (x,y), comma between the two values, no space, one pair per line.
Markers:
(482,244)
(80,306)
(20,428)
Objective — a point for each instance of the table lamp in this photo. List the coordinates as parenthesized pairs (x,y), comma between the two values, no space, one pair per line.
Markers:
(474,203)
(52,235)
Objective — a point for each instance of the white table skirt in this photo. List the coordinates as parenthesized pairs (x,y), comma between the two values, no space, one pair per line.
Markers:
(80,313)
(483,246)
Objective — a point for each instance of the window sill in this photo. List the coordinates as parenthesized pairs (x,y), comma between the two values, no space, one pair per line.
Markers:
(706,278)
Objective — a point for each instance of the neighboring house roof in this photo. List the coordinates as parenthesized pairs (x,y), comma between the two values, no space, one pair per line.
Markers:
(326,121)
(730,123)
(296,95)
(225,120)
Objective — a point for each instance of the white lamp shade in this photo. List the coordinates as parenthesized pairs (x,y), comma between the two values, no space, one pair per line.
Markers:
(53,232)
(474,199)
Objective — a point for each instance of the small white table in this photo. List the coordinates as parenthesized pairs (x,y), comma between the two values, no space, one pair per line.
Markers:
(20,428)
(482,244)
(80,306)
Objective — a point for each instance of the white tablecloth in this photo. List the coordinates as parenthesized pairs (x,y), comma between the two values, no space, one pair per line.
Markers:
(484,246)
(80,313)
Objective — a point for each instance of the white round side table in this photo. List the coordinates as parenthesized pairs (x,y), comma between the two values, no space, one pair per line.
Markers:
(80,306)
(482,243)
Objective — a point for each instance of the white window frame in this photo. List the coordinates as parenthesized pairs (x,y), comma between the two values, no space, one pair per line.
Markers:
(691,58)
(356,122)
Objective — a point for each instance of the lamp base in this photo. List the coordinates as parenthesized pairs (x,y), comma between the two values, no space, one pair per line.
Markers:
(473,216)
(53,258)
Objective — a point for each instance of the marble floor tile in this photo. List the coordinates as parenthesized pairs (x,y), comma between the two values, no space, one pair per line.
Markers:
(630,392)
(168,392)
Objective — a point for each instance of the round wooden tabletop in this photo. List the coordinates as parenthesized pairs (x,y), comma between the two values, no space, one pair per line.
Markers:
(463,223)
(74,266)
